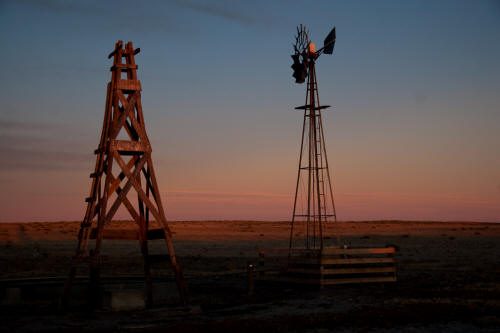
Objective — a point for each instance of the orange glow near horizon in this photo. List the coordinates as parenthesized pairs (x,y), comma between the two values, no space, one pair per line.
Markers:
(413,132)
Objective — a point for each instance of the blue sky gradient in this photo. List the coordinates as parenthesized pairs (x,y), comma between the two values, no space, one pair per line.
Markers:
(414,132)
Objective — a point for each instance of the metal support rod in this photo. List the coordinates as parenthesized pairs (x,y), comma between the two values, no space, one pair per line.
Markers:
(318,195)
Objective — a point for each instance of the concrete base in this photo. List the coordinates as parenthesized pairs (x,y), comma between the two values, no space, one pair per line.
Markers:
(124,300)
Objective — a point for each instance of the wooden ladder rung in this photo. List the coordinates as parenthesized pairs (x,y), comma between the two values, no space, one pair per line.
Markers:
(124,66)
(339,271)
(129,85)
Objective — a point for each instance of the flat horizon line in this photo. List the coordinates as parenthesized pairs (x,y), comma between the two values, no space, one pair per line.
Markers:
(284,221)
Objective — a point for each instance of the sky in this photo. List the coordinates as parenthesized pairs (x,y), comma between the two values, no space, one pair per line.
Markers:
(414,132)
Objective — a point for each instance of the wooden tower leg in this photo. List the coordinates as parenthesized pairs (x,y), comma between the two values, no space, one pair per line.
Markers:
(168,238)
(143,239)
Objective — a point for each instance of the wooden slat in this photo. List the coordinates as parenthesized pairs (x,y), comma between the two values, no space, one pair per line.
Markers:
(116,234)
(289,279)
(358,270)
(125,145)
(346,261)
(123,193)
(330,251)
(340,261)
(123,66)
(285,251)
(115,182)
(360,280)
(128,85)
(338,251)
(156,234)
(118,123)
(132,181)
(354,270)
(118,47)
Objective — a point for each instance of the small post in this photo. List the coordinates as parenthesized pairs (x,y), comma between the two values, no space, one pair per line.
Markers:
(250,271)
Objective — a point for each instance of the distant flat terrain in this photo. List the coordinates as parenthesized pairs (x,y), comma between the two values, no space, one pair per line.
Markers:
(448,276)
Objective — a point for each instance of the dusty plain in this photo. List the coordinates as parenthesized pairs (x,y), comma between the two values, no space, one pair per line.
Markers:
(448,279)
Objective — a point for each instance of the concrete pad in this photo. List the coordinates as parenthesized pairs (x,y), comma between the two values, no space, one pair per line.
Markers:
(124,300)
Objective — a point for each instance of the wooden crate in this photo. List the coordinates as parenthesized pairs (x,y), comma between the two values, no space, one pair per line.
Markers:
(334,265)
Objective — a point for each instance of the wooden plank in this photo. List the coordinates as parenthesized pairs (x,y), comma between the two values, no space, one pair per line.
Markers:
(139,129)
(360,280)
(156,234)
(119,123)
(131,181)
(338,251)
(118,46)
(353,270)
(131,210)
(299,251)
(123,67)
(312,281)
(122,234)
(358,270)
(126,188)
(129,146)
(115,182)
(129,85)
(346,261)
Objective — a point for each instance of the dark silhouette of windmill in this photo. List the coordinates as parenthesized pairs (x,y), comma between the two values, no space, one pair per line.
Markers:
(313,205)
(310,260)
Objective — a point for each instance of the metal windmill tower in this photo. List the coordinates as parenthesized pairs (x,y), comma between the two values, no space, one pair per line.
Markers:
(313,205)
(123,165)
(310,260)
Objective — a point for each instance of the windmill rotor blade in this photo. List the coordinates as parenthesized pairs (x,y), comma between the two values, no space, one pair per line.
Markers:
(329,42)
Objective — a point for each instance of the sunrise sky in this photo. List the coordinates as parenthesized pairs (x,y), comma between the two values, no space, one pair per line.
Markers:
(414,132)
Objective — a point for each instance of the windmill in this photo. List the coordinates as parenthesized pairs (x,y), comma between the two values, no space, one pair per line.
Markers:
(310,260)
(313,204)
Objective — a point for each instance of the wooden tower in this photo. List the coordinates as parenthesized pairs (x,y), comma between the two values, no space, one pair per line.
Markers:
(123,166)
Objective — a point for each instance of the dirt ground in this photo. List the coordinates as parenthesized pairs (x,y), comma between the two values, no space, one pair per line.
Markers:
(448,279)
